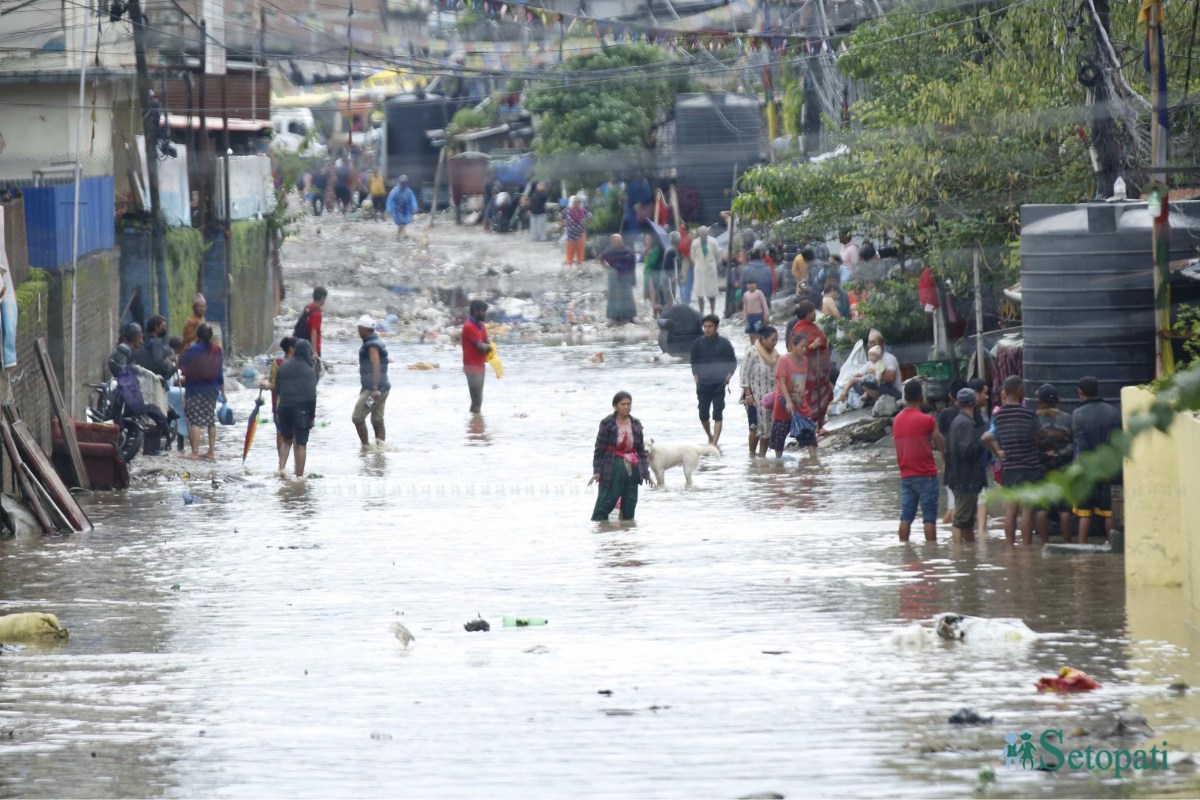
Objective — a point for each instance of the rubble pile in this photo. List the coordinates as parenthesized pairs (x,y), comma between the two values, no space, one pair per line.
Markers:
(419,287)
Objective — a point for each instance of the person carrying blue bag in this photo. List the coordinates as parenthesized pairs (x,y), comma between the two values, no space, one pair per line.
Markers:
(203,367)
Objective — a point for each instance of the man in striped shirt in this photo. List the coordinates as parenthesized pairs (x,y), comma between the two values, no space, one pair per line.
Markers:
(1012,440)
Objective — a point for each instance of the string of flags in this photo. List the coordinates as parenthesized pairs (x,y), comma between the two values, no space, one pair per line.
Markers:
(771,37)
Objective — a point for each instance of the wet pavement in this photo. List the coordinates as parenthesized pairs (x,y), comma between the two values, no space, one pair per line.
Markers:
(734,640)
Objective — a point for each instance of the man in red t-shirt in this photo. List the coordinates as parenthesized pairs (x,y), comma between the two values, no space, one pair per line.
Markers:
(309,325)
(917,436)
(476,348)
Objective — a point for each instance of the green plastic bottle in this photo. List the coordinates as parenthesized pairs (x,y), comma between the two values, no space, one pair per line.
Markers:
(513,621)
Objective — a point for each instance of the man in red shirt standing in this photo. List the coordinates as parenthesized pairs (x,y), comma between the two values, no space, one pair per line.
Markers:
(309,325)
(917,436)
(476,348)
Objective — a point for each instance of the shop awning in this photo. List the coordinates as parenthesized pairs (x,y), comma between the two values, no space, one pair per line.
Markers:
(211,123)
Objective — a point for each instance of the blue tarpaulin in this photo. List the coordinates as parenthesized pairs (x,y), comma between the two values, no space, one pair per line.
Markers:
(514,171)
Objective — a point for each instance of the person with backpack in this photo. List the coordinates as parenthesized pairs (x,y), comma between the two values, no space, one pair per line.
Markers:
(308,327)
(296,381)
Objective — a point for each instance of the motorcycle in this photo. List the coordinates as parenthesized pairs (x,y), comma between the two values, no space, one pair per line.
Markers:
(107,404)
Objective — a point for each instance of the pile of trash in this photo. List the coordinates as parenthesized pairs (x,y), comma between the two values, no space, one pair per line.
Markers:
(420,286)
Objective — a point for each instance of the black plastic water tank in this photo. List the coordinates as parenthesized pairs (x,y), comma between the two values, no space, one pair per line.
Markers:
(678,326)
(1087,296)
(715,133)
(409,150)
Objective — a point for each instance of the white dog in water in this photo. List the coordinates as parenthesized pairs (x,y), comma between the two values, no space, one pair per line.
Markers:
(665,456)
(952,627)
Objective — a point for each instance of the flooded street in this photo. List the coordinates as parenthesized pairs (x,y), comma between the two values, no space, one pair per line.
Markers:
(734,640)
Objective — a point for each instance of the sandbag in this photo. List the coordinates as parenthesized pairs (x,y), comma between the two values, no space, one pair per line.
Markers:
(30,626)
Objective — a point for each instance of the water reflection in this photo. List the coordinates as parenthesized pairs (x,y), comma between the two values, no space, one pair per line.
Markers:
(373,462)
(297,496)
(280,647)
(621,559)
(477,432)
(920,597)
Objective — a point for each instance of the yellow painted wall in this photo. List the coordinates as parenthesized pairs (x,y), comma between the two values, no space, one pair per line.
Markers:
(1154,551)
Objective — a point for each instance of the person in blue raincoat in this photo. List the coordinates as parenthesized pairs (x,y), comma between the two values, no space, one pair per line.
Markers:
(402,204)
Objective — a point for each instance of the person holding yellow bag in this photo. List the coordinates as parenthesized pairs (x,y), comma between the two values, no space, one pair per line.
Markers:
(478,350)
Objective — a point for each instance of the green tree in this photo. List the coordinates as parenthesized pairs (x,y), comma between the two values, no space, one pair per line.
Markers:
(970,112)
(596,114)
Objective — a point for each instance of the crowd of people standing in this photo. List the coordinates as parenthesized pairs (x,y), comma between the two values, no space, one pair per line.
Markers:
(1018,444)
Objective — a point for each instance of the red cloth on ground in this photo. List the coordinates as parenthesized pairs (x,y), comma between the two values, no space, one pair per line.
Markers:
(1068,679)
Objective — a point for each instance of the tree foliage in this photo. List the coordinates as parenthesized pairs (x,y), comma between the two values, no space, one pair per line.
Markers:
(592,122)
(970,112)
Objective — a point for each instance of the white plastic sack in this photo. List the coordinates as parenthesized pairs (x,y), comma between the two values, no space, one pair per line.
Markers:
(853,365)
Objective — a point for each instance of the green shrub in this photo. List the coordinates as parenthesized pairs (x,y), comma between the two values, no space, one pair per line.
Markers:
(606,216)
(893,309)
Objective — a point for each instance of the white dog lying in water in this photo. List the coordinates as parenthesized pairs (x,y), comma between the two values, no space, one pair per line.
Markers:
(959,628)
(665,456)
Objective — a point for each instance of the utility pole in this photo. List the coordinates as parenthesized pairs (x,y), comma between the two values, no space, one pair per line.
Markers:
(228,330)
(1109,143)
(350,80)
(254,78)
(72,383)
(150,131)
(1158,204)
(262,50)
(202,157)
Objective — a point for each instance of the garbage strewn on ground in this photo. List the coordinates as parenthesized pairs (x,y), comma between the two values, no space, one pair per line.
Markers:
(1068,680)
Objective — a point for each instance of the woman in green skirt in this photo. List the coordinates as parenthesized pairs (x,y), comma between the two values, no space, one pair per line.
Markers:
(619,462)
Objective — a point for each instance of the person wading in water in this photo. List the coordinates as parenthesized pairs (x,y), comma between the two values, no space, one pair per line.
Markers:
(619,462)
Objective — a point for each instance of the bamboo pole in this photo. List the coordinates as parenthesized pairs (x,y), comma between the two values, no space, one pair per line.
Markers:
(980,355)
(437,179)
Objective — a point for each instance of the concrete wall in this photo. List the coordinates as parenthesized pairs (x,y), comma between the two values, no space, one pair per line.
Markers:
(198,263)
(185,253)
(95,326)
(38,121)
(27,28)
(254,307)
(33,316)
(1162,529)
(44,309)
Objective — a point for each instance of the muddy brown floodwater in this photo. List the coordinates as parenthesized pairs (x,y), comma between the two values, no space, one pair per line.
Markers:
(733,641)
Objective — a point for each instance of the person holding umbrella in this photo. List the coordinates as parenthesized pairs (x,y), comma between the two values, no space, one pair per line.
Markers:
(296,384)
